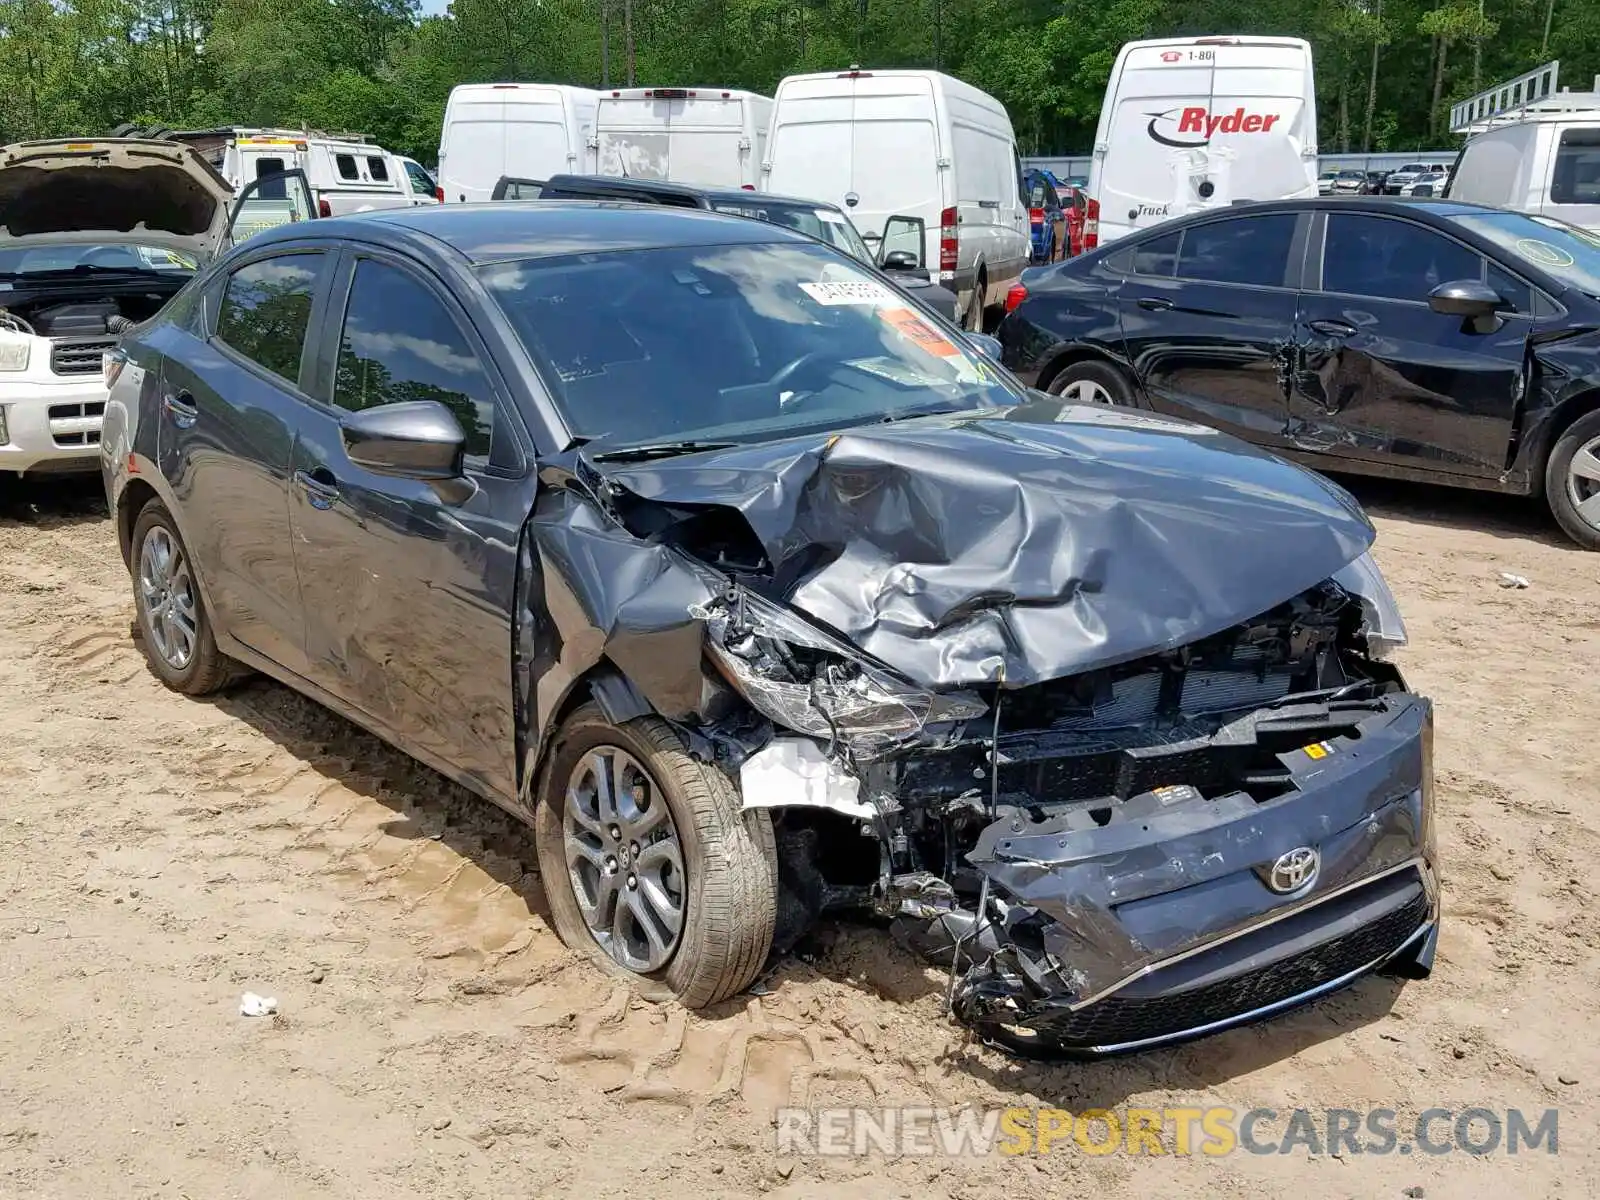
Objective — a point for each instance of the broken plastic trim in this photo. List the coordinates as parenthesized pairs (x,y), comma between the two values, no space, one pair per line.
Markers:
(1383,627)
(828,690)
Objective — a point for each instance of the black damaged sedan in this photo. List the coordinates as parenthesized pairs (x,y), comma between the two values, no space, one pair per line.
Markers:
(761,596)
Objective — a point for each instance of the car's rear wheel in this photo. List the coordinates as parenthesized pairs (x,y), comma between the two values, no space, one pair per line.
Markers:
(649,865)
(1572,481)
(174,625)
(1093,382)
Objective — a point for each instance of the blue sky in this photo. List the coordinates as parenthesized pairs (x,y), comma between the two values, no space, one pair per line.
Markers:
(431,8)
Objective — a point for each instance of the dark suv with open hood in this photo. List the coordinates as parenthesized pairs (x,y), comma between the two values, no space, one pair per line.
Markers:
(760,594)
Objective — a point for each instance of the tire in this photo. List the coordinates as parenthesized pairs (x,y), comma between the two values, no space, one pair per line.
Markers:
(204,669)
(728,886)
(1094,382)
(1568,482)
(972,319)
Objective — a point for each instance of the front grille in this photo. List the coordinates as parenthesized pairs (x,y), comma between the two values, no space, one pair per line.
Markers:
(76,423)
(1118,1019)
(78,356)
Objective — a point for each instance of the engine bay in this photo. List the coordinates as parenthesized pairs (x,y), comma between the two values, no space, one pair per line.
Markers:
(84,313)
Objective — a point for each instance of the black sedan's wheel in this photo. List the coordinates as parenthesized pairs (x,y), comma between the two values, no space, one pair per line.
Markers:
(1093,382)
(174,625)
(1572,481)
(648,864)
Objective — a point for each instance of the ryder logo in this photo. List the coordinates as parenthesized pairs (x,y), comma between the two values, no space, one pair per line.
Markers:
(1187,128)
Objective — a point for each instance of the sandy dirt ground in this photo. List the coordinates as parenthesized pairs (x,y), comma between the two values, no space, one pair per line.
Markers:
(161,856)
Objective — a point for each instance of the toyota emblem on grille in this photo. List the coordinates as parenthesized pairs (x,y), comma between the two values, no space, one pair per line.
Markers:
(1294,871)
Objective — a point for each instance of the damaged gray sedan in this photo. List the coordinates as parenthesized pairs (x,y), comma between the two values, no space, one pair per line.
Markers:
(763,594)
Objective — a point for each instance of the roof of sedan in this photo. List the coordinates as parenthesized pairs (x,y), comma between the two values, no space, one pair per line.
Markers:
(544,228)
(1434,206)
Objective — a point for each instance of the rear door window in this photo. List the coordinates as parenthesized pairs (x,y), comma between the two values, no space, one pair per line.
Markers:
(1249,250)
(266,309)
(1385,258)
(346,164)
(1158,256)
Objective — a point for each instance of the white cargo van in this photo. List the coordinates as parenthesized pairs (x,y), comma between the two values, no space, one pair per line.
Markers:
(915,144)
(1531,148)
(525,130)
(713,137)
(347,172)
(1200,122)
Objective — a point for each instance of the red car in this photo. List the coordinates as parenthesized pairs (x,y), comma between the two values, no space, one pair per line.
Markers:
(1075,205)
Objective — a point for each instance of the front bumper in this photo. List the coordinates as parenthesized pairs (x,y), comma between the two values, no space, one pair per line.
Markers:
(52,427)
(1158,925)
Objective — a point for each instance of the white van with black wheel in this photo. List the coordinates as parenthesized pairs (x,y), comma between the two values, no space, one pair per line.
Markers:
(522,130)
(1531,148)
(1201,122)
(708,137)
(915,144)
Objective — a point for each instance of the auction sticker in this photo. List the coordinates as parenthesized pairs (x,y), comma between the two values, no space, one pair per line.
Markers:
(1543,253)
(866,292)
(919,332)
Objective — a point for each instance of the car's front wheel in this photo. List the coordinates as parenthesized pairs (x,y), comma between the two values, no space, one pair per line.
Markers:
(174,626)
(1572,481)
(649,865)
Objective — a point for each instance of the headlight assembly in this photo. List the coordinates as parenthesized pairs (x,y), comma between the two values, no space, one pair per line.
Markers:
(803,679)
(1382,626)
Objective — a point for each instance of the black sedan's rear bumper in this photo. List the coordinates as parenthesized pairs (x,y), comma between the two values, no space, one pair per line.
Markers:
(1152,930)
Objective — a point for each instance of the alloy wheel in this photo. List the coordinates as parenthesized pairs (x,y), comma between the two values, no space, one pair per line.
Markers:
(625,859)
(1583,482)
(166,587)
(1085,391)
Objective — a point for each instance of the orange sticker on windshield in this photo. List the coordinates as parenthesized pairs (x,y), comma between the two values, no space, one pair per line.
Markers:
(909,325)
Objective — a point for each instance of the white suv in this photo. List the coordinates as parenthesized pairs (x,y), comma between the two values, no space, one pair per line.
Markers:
(96,236)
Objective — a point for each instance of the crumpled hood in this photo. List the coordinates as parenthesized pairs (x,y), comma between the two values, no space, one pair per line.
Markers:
(1053,538)
(163,192)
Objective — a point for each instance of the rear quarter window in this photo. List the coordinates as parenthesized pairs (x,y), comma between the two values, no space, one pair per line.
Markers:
(1575,176)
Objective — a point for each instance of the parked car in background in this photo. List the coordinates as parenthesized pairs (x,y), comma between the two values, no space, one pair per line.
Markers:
(348,173)
(710,136)
(1398,181)
(1201,122)
(1075,203)
(1373,184)
(1418,339)
(1081,182)
(1325,182)
(530,130)
(1349,182)
(96,235)
(1047,218)
(1429,183)
(1532,148)
(899,253)
(919,144)
(613,514)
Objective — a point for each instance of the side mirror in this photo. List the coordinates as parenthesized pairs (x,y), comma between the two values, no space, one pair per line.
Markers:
(985,345)
(900,260)
(1465,298)
(420,439)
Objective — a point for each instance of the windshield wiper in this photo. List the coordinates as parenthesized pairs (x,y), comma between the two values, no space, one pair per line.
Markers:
(658,450)
(927,410)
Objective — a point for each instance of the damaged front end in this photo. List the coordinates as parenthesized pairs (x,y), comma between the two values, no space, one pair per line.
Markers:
(1120,858)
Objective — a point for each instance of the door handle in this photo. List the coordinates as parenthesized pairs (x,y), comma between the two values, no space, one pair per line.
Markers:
(182,408)
(1155,303)
(1333,329)
(320,487)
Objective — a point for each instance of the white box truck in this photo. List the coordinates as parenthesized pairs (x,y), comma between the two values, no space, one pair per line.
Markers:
(916,145)
(526,130)
(1201,122)
(711,137)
